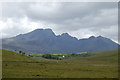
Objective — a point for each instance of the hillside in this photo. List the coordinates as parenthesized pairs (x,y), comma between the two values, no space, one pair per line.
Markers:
(111,56)
(45,41)
(101,65)
(12,56)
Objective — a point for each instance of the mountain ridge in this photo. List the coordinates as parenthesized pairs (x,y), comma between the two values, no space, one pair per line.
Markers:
(45,41)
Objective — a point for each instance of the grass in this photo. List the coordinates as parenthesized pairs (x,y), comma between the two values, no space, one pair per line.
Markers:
(101,65)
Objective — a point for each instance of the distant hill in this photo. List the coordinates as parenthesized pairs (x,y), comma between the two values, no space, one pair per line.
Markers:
(45,41)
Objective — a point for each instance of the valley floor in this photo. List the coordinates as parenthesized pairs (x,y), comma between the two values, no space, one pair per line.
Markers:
(20,66)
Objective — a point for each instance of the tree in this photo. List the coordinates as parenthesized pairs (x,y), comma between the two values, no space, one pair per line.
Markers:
(47,56)
(20,51)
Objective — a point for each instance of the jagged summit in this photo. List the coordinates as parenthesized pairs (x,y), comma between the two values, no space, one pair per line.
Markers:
(43,30)
(91,37)
(65,35)
(100,36)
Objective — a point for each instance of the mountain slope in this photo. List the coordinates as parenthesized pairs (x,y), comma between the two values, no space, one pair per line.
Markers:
(45,41)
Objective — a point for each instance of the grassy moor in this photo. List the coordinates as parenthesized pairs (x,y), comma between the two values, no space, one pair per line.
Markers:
(99,65)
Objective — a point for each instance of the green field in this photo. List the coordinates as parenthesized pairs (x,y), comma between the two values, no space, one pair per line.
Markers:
(100,65)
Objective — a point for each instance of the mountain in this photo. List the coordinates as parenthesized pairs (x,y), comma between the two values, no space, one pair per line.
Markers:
(45,41)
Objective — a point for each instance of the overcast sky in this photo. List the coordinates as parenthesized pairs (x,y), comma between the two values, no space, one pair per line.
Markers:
(79,19)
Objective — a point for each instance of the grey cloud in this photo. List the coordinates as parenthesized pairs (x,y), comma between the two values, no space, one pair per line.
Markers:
(57,12)
(96,17)
(63,11)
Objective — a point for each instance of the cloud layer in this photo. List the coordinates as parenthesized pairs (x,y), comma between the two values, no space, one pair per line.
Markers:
(80,19)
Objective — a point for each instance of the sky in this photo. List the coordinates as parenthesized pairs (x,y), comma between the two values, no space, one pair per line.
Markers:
(79,19)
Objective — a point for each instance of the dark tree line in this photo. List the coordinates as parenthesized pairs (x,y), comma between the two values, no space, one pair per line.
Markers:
(50,56)
(21,52)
